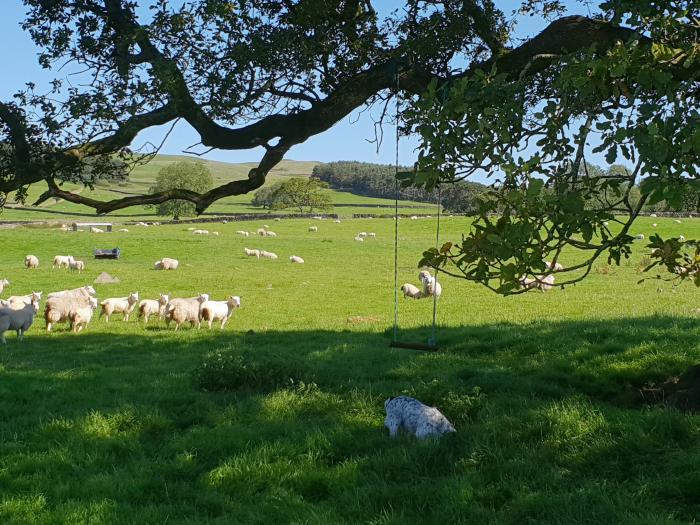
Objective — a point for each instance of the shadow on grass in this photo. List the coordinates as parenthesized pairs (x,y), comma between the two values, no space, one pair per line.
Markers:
(114,425)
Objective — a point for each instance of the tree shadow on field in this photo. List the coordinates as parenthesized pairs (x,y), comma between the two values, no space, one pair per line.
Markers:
(127,427)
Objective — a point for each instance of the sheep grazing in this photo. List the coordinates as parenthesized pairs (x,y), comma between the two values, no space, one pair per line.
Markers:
(210,311)
(62,260)
(653,215)
(96,230)
(359,239)
(18,320)
(430,285)
(200,232)
(677,221)
(80,293)
(123,305)
(411,291)
(17,302)
(3,283)
(270,234)
(61,308)
(414,217)
(277,219)
(190,229)
(123,230)
(654,225)
(252,253)
(262,232)
(82,315)
(77,265)
(337,221)
(557,267)
(313,228)
(31,261)
(371,234)
(166,263)
(362,234)
(149,307)
(640,237)
(241,232)
(296,259)
(184,310)
(142,224)
(268,255)
(540,282)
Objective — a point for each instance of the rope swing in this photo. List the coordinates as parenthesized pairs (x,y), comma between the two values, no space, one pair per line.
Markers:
(431,344)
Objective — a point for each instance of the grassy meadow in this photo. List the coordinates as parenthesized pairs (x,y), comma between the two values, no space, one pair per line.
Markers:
(279,418)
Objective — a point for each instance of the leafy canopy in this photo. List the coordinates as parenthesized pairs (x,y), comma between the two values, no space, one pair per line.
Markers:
(184,175)
(300,193)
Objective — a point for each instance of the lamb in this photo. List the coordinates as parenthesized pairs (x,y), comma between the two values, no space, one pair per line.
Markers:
(252,253)
(557,267)
(62,260)
(149,307)
(31,261)
(412,291)
(212,310)
(81,293)
(3,283)
(296,259)
(96,230)
(313,228)
(184,310)
(166,263)
(17,302)
(268,255)
(241,232)
(414,417)
(540,282)
(123,305)
(19,320)
(61,308)
(82,315)
(77,265)
(200,232)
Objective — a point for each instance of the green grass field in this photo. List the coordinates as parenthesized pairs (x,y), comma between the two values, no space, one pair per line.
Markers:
(143,177)
(125,424)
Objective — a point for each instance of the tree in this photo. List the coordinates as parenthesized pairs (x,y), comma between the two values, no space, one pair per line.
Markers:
(527,113)
(303,194)
(182,175)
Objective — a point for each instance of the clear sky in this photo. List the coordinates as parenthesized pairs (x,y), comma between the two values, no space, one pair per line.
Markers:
(347,140)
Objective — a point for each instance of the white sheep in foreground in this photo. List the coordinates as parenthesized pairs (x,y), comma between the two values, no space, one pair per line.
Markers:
(17,302)
(268,255)
(166,263)
(19,320)
(431,287)
(557,267)
(210,311)
(31,261)
(200,232)
(122,305)
(241,232)
(184,310)
(540,282)
(313,228)
(252,253)
(60,309)
(62,260)
(77,265)
(149,307)
(3,283)
(296,259)
(81,293)
(96,230)
(411,291)
(81,316)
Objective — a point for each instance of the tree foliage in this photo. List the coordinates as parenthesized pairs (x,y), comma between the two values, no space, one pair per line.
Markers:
(621,81)
(300,193)
(182,175)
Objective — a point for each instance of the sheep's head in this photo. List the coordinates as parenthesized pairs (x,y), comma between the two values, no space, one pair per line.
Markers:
(164,298)
(234,301)
(5,282)
(133,297)
(204,297)
(89,289)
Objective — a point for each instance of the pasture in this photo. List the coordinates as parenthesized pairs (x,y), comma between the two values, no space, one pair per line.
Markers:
(279,418)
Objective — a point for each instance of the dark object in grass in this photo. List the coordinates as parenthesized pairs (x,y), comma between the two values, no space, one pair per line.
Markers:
(113,253)
(426,347)
(681,392)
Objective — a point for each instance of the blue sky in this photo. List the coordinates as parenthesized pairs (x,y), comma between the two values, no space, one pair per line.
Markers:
(347,140)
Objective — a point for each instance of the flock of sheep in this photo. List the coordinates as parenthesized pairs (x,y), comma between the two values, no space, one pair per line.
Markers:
(430,287)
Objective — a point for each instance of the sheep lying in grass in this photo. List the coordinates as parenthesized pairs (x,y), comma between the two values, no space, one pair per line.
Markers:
(262,232)
(149,307)
(123,305)
(184,310)
(123,230)
(31,261)
(3,283)
(252,253)
(411,291)
(17,302)
(270,234)
(243,233)
(540,282)
(362,234)
(80,293)
(337,221)
(61,261)
(296,259)
(313,228)
(19,320)
(81,316)
(681,238)
(200,232)
(371,234)
(166,263)
(76,265)
(268,255)
(210,311)
(60,309)
(96,230)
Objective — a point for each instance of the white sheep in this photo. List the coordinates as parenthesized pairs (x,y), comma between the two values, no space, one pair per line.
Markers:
(19,320)
(241,232)
(215,233)
(654,225)
(142,224)
(640,237)
(149,307)
(61,308)
(123,230)
(166,263)
(31,261)
(3,283)
(190,229)
(270,234)
(81,293)
(681,238)
(212,310)
(252,253)
(184,310)
(96,230)
(277,219)
(296,259)
(124,305)
(677,221)
(266,226)
(313,228)
(62,260)
(371,234)
(337,221)
(359,239)
(17,302)
(77,265)
(557,267)
(200,232)
(262,232)
(414,217)
(268,255)
(431,287)
(362,234)
(540,282)
(653,215)
(81,316)
(412,291)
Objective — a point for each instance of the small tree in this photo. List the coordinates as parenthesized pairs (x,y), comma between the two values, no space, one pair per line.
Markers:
(304,194)
(184,175)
